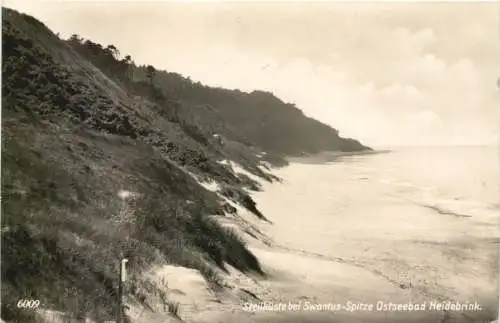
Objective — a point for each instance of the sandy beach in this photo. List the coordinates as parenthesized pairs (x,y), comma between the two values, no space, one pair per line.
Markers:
(385,238)
(351,242)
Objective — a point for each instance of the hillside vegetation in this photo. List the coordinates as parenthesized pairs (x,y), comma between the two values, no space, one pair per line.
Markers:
(79,125)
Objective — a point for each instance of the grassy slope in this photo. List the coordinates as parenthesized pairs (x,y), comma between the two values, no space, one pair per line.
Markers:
(67,151)
(73,136)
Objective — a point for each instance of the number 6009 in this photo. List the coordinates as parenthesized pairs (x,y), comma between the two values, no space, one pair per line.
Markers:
(28,303)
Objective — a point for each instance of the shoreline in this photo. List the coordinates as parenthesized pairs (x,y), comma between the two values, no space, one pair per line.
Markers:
(300,269)
(332,156)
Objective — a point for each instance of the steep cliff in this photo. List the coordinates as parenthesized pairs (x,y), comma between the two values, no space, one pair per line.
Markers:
(98,165)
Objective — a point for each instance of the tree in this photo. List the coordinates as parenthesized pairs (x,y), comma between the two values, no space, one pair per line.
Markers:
(127,59)
(113,50)
(75,39)
(150,73)
(93,48)
(129,67)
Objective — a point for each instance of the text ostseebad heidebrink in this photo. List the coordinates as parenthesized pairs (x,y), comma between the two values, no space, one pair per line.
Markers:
(379,306)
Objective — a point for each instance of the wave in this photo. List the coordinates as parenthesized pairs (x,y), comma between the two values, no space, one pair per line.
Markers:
(445,212)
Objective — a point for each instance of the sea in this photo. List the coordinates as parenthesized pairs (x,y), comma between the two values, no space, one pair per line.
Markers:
(427,217)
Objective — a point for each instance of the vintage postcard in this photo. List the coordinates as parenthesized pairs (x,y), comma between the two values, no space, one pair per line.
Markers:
(238,162)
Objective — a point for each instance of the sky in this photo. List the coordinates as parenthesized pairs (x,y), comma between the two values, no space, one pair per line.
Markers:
(384,73)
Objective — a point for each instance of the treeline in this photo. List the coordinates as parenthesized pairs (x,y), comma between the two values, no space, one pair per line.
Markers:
(257,119)
(107,59)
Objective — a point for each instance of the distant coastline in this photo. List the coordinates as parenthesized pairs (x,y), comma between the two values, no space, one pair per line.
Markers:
(332,156)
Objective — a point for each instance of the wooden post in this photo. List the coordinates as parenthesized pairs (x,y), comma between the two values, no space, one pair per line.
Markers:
(122,278)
